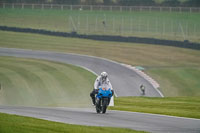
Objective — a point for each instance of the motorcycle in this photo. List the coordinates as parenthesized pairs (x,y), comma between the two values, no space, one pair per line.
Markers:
(103,99)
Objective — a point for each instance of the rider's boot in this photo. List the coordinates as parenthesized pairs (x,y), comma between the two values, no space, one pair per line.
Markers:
(93,101)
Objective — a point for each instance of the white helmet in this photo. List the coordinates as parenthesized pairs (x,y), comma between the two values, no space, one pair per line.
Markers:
(104,76)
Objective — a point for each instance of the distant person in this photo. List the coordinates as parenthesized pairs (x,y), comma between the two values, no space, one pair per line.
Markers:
(104,23)
(100,81)
(142,88)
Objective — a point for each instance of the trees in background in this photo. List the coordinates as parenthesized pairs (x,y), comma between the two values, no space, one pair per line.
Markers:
(193,3)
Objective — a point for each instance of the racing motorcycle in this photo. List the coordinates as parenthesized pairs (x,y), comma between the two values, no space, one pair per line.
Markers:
(103,99)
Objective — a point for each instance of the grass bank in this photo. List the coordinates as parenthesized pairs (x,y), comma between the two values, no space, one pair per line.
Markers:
(19,124)
(174,106)
(164,63)
(33,82)
(164,25)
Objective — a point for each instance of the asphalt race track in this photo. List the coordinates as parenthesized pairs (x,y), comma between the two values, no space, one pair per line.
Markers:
(125,83)
(137,121)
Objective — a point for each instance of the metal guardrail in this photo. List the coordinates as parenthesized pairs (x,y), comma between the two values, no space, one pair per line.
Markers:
(98,7)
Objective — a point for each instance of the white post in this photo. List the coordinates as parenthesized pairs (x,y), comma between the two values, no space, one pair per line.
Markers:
(120,8)
(147,25)
(113,25)
(195,30)
(96,24)
(131,25)
(69,23)
(78,26)
(70,7)
(3,5)
(42,6)
(51,6)
(156,25)
(187,30)
(91,8)
(87,24)
(172,32)
(32,6)
(22,5)
(13,6)
(139,25)
(163,27)
(111,8)
(62,7)
(182,31)
(122,26)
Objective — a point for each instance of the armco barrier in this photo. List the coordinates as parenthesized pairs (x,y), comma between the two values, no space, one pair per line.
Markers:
(181,44)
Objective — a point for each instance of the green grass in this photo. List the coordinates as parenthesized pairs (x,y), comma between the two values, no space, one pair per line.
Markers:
(163,25)
(42,83)
(176,106)
(19,124)
(178,81)
(162,62)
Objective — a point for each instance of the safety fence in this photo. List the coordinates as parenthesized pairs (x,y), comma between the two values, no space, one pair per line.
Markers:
(99,7)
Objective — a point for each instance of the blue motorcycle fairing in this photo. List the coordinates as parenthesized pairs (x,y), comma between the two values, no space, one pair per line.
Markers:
(104,93)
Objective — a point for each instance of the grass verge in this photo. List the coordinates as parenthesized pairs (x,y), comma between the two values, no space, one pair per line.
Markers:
(43,83)
(19,124)
(173,106)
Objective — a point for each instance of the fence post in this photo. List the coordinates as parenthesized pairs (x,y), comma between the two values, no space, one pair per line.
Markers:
(42,6)
(62,7)
(113,25)
(163,27)
(156,25)
(13,6)
(51,6)
(131,31)
(96,24)
(91,8)
(32,6)
(71,7)
(122,26)
(120,8)
(111,8)
(3,5)
(139,25)
(22,5)
(148,25)
(87,24)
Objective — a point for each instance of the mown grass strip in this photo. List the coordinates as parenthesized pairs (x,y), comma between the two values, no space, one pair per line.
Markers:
(43,83)
(174,106)
(19,124)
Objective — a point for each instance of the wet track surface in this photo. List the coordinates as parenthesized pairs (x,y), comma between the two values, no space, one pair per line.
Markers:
(125,81)
(137,121)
